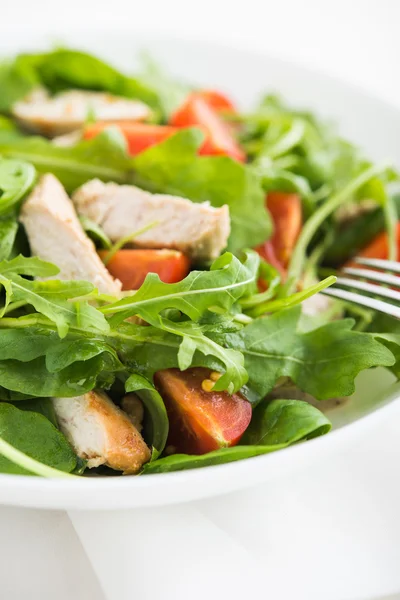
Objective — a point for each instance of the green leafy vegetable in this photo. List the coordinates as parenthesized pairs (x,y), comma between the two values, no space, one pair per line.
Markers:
(16,179)
(285,422)
(280,303)
(155,406)
(323,362)
(217,289)
(43,406)
(103,157)
(16,80)
(27,435)
(317,219)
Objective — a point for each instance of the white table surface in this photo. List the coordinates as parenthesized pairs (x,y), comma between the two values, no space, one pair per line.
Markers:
(229,545)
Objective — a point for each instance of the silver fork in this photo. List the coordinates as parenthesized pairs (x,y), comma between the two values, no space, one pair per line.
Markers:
(380,275)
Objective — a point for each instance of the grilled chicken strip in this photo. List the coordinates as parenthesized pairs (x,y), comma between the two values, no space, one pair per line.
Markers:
(96,428)
(101,433)
(198,230)
(56,235)
(68,111)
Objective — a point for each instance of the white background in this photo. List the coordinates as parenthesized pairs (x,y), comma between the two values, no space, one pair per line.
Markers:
(40,553)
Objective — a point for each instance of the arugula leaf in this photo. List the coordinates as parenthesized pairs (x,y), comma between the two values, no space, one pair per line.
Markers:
(217,289)
(271,306)
(275,425)
(32,266)
(8,232)
(173,167)
(317,219)
(34,436)
(155,406)
(103,157)
(16,179)
(323,362)
(53,299)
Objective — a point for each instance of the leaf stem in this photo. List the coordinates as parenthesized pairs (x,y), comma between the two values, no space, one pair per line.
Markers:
(30,464)
(316,220)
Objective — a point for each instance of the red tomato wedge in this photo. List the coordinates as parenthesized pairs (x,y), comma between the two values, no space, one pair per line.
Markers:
(139,136)
(285,209)
(378,248)
(220,140)
(286,213)
(217,101)
(131,266)
(201,421)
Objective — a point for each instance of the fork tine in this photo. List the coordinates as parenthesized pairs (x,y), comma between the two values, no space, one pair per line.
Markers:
(385,278)
(378,263)
(379,305)
(370,288)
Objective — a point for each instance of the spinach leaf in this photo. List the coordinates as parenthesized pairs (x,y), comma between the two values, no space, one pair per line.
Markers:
(284,422)
(275,425)
(182,462)
(16,179)
(43,406)
(103,157)
(25,435)
(155,406)
(33,378)
(173,167)
(16,80)
(63,69)
(323,362)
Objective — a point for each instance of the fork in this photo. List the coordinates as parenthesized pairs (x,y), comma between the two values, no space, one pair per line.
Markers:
(380,275)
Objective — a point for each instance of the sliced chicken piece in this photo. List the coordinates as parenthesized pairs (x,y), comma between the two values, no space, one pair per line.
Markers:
(97,429)
(67,111)
(56,235)
(198,230)
(101,433)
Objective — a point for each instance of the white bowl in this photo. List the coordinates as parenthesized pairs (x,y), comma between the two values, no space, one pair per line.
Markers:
(245,75)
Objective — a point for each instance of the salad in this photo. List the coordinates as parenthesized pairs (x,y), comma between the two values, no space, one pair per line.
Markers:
(161,253)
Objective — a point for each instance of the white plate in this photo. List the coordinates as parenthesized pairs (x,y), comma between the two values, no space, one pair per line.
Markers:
(245,75)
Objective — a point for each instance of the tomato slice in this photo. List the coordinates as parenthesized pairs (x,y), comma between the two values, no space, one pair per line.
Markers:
(220,140)
(286,213)
(201,421)
(285,209)
(131,266)
(378,248)
(217,101)
(139,136)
